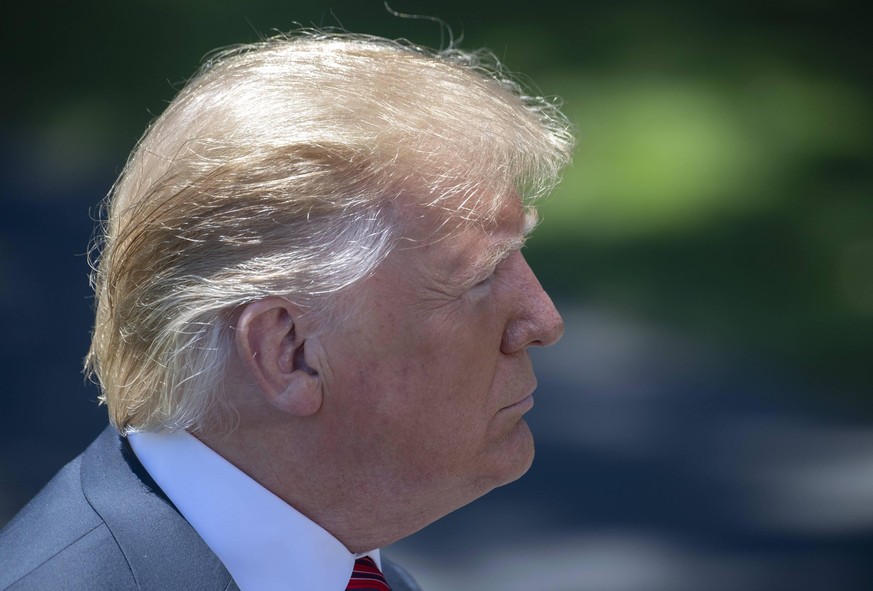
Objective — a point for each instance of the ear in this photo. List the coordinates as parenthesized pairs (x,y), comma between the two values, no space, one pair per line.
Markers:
(272,347)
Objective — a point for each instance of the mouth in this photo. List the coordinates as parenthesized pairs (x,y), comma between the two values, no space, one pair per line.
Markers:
(523,405)
(526,402)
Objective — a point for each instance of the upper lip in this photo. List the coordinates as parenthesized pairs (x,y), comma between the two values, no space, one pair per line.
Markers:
(529,393)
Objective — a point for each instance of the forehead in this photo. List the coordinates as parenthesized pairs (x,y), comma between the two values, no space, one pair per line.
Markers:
(487,211)
(455,248)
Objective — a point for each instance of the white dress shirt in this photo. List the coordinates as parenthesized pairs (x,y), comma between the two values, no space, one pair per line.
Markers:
(263,542)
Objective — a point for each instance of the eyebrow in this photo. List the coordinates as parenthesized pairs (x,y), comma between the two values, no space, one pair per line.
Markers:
(501,249)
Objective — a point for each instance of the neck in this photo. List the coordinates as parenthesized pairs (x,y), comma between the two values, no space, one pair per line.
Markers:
(355,500)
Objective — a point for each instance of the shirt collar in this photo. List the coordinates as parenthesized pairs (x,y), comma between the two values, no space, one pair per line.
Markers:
(262,541)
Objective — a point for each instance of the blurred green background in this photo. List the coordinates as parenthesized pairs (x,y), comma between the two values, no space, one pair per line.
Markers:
(723,177)
(707,420)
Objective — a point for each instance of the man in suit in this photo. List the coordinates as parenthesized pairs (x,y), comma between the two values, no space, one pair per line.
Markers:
(312,323)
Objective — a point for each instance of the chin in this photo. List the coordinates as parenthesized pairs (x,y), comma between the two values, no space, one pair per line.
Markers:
(528,456)
(518,455)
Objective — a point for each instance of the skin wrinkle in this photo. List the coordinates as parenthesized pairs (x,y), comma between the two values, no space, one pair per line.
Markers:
(425,396)
(321,235)
(481,264)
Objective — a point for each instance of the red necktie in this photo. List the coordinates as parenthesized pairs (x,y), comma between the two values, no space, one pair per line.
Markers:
(366,576)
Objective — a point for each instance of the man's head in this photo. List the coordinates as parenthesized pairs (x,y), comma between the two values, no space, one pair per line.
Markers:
(324,230)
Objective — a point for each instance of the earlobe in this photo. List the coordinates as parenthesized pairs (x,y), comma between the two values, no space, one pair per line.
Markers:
(271,346)
(302,395)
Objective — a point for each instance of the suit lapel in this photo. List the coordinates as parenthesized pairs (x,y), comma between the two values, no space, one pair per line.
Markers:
(162,550)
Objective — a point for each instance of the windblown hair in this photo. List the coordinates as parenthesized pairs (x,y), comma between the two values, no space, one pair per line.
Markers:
(279,170)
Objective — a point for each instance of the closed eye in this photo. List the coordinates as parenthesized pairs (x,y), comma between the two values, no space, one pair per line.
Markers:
(486,277)
(483,282)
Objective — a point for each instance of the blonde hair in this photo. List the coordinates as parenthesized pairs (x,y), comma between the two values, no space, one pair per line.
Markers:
(278,170)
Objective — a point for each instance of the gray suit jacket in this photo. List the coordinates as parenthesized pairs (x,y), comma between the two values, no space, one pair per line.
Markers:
(103,523)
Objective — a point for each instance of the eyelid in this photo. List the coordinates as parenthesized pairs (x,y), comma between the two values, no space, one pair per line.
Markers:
(499,253)
(489,272)
(486,278)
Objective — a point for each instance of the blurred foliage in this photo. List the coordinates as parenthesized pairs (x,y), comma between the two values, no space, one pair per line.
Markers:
(724,174)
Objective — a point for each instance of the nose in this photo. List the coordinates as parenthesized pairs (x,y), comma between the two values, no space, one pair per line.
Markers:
(535,322)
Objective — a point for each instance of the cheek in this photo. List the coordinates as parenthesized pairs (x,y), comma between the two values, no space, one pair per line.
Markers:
(443,397)
(432,379)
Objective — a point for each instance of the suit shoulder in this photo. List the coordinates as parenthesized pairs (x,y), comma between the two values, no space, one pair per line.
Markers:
(397,576)
(93,561)
(57,528)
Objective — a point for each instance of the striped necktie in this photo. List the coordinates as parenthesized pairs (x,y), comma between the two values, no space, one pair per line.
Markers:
(366,576)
